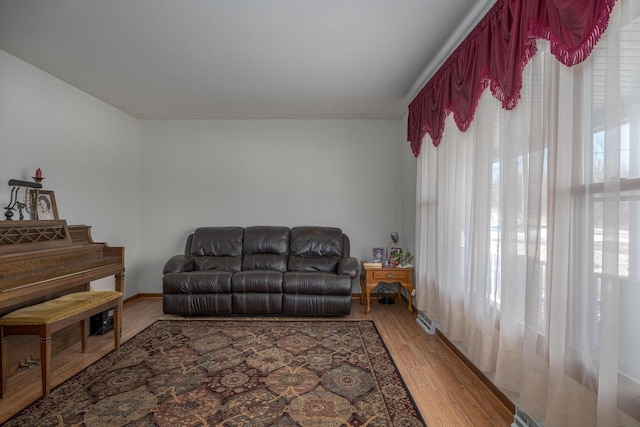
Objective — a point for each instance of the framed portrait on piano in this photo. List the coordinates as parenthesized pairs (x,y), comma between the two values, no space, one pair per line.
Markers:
(45,204)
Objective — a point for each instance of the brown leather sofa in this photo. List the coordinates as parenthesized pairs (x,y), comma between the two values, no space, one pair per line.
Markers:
(305,271)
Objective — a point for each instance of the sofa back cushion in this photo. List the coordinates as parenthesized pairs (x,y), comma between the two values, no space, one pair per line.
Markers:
(217,248)
(265,248)
(315,249)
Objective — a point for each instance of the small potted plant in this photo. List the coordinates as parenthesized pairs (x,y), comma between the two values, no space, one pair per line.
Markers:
(403,258)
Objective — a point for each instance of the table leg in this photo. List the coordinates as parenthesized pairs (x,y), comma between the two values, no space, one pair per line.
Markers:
(117,325)
(45,361)
(4,364)
(83,333)
(410,298)
(367,295)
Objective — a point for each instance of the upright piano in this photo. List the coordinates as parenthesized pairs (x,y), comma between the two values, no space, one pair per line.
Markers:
(41,260)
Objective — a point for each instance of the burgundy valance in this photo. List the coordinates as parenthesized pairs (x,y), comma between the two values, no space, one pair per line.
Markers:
(494,55)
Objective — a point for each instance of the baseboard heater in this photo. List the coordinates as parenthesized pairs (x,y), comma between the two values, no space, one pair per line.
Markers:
(522,419)
(426,323)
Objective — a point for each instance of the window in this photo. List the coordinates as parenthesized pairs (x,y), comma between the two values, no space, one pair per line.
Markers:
(606,218)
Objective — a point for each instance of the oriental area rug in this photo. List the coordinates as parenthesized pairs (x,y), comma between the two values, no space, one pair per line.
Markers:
(236,373)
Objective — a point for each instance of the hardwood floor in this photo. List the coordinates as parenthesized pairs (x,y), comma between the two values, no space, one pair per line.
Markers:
(444,389)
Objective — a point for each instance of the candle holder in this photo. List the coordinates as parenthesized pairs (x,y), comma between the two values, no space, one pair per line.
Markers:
(38,178)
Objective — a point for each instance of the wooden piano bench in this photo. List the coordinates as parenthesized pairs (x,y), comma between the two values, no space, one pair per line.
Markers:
(50,316)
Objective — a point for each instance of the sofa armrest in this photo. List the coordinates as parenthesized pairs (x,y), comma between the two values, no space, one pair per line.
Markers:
(178,264)
(348,266)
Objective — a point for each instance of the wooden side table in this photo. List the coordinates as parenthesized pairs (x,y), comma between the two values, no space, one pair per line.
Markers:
(371,276)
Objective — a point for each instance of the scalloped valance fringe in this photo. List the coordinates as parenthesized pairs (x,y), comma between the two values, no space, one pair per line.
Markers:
(496,52)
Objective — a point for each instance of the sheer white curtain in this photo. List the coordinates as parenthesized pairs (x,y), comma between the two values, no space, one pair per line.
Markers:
(529,235)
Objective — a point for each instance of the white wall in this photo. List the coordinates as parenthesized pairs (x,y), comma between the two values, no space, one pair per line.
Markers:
(343,173)
(88,151)
(409,167)
(146,184)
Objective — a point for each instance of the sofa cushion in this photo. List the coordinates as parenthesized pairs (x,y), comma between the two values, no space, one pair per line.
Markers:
(257,281)
(316,283)
(315,249)
(230,263)
(217,248)
(265,248)
(316,241)
(197,282)
(266,240)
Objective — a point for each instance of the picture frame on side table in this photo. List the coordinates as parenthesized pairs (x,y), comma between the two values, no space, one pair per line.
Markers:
(393,252)
(378,254)
(45,204)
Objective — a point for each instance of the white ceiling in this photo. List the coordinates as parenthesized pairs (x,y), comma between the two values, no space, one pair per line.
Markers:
(169,59)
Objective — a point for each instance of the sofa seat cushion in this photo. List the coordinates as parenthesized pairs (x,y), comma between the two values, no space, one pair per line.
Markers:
(316,283)
(197,282)
(229,263)
(257,281)
(265,262)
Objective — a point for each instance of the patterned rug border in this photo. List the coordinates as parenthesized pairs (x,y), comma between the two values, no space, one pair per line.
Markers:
(60,393)
(404,384)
